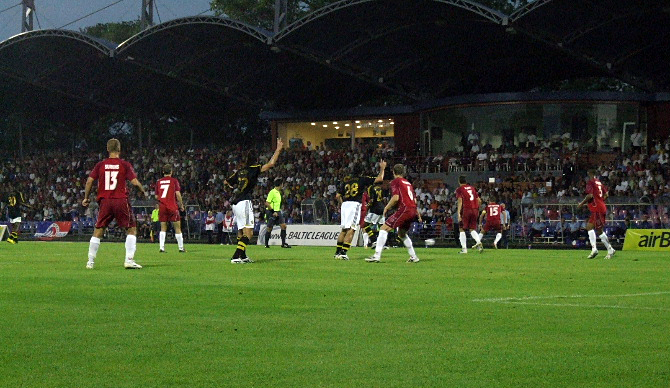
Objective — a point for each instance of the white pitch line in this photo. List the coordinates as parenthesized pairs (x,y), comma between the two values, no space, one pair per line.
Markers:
(588,306)
(511,299)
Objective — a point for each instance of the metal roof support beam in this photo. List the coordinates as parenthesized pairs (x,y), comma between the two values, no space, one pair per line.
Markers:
(27,15)
(488,13)
(281,14)
(147,15)
(521,12)
(362,74)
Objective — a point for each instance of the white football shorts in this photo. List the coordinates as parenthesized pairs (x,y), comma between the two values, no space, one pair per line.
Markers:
(350,215)
(244,214)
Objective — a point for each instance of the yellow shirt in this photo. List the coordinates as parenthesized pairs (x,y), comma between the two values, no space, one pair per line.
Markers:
(274,197)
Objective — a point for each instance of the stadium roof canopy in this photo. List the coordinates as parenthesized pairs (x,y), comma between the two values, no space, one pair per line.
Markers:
(339,56)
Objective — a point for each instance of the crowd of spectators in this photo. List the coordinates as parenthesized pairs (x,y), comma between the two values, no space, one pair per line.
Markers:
(53,182)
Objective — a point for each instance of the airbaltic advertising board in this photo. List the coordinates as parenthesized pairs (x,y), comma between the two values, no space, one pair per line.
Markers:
(647,240)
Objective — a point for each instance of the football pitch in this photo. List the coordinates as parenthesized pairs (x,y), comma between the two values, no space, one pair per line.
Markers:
(299,318)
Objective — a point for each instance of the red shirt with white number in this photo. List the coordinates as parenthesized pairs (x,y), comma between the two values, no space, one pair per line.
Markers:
(405,192)
(166,188)
(598,191)
(469,196)
(493,213)
(112,174)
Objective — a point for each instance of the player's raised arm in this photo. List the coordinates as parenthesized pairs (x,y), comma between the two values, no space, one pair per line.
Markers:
(87,192)
(275,156)
(382,167)
(137,184)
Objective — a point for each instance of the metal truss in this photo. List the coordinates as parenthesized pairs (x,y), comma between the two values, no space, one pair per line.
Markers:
(521,12)
(357,72)
(488,13)
(104,49)
(260,34)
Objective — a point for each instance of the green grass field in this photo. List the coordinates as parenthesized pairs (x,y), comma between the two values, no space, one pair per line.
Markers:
(299,318)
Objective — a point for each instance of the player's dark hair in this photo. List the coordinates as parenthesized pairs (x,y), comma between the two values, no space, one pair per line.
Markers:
(113,145)
(592,172)
(278,182)
(399,170)
(167,169)
(462,180)
(249,158)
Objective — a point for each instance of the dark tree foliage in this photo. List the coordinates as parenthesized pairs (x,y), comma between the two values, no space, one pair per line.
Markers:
(114,32)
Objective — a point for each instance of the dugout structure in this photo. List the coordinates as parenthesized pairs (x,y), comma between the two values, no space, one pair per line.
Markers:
(314,211)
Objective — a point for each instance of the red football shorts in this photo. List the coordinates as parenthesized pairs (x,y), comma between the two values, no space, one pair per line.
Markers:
(469,219)
(597,219)
(165,214)
(402,219)
(492,226)
(118,209)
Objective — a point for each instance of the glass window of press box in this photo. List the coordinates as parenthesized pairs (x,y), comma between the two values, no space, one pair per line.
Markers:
(601,126)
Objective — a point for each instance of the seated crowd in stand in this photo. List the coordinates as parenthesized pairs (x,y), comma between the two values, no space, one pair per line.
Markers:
(52,182)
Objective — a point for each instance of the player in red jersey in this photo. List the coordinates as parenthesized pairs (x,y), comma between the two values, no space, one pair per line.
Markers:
(596,194)
(168,193)
(468,210)
(402,196)
(492,214)
(112,174)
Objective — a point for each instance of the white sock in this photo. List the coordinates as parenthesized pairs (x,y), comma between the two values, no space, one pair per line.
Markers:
(161,239)
(481,236)
(408,244)
(366,239)
(463,241)
(475,235)
(605,241)
(180,240)
(381,241)
(93,246)
(131,245)
(498,237)
(592,239)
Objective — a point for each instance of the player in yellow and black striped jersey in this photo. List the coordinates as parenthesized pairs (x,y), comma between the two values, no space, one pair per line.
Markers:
(350,196)
(14,201)
(243,181)
(374,218)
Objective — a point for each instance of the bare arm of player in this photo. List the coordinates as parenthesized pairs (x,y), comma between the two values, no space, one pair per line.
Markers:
(459,207)
(338,197)
(273,159)
(392,202)
(137,184)
(87,192)
(587,199)
(179,200)
(382,167)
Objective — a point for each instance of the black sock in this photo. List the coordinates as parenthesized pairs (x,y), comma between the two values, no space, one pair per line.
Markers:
(267,238)
(240,253)
(283,236)
(345,248)
(339,248)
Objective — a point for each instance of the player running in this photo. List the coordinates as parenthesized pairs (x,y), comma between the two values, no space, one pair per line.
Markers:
(168,194)
(493,222)
(15,201)
(350,196)
(468,210)
(245,180)
(111,175)
(374,218)
(596,194)
(402,196)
